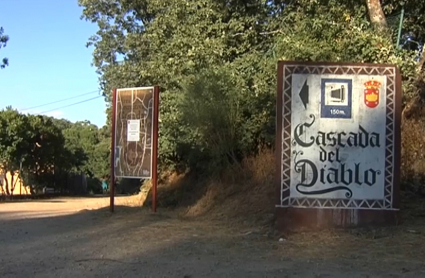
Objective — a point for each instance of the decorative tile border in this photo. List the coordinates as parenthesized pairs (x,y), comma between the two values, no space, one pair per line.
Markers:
(285,132)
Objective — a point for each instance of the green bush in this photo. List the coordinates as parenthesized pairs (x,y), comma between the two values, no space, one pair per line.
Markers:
(212,113)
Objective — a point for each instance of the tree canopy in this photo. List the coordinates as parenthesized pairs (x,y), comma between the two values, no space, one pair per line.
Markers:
(215,61)
(3,42)
(43,150)
(183,45)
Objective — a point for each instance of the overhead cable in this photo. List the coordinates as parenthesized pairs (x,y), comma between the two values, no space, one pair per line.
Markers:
(61,100)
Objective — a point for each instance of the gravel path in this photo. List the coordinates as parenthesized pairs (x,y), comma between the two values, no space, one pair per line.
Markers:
(78,237)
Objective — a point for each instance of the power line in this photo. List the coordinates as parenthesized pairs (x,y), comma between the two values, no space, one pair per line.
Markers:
(72,104)
(57,101)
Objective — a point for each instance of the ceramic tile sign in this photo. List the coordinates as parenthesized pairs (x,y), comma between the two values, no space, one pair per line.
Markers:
(338,135)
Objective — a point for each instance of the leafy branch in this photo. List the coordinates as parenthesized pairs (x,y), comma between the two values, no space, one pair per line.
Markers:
(3,42)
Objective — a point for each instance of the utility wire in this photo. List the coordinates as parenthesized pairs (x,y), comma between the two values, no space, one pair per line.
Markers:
(61,100)
(72,104)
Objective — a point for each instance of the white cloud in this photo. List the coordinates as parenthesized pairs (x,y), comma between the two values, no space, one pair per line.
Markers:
(55,114)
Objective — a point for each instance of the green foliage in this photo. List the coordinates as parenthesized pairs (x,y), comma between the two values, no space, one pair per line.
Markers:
(216,60)
(414,17)
(81,139)
(341,33)
(31,146)
(172,133)
(162,42)
(255,74)
(14,141)
(168,43)
(100,158)
(212,115)
(3,42)
(89,147)
(46,151)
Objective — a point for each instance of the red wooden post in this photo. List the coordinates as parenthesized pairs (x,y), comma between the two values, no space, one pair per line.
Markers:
(155,146)
(112,184)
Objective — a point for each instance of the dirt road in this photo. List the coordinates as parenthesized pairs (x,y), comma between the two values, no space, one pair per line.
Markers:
(78,237)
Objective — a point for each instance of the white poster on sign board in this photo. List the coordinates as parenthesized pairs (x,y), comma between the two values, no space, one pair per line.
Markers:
(133,130)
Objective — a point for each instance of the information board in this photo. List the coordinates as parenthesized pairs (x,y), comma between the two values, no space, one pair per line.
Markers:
(134,132)
(338,135)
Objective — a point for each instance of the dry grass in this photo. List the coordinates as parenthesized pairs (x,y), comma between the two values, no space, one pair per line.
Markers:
(413,155)
(171,190)
(244,191)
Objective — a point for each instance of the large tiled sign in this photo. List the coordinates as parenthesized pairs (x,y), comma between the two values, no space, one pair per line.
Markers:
(338,135)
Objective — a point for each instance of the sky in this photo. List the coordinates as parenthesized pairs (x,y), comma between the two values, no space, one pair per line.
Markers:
(49,61)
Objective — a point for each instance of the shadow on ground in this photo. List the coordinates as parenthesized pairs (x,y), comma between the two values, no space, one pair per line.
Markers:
(134,242)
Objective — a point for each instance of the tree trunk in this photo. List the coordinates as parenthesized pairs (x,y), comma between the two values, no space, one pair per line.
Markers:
(421,61)
(2,181)
(15,181)
(376,13)
(12,186)
(6,185)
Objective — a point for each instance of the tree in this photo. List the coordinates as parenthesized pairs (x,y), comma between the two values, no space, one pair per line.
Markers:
(46,153)
(161,42)
(168,42)
(376,14)
(413,20)
(3,42)
(13,143)
(89,149)
(101,154)
(414,28)
(174,44)
(81,138)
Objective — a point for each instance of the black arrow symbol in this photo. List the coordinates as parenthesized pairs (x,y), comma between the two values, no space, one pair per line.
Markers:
(304,94)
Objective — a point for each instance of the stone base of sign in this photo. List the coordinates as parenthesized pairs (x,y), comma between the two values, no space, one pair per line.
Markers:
(290,219)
